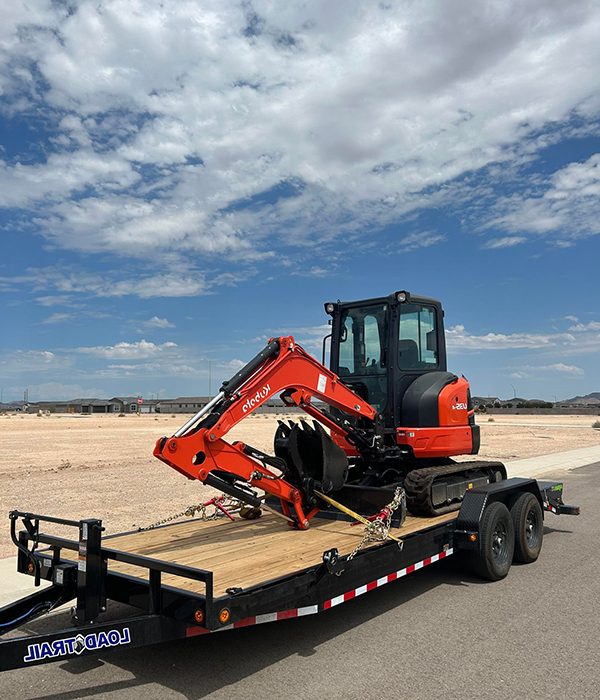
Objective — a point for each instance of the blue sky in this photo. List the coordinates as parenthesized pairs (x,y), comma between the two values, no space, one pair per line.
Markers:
(177,185)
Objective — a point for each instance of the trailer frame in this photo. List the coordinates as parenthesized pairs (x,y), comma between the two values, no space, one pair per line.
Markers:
(168,613)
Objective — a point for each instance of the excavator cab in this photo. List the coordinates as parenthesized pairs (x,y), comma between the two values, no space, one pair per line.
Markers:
(380,346)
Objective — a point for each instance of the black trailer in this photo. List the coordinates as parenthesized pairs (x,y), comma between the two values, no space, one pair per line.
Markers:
(256,571)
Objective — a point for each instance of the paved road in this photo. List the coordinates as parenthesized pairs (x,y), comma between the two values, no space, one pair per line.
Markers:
(436,634)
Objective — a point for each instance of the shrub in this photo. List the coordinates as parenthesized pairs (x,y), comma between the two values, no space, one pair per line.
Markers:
(491,420)
(596,424)
(121,415)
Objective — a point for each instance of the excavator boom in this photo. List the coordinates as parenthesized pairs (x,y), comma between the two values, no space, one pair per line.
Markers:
(199,451)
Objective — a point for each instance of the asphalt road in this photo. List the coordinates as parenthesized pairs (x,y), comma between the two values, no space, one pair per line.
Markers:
(436,634)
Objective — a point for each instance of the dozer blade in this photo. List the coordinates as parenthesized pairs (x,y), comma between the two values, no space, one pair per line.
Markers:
(311,454)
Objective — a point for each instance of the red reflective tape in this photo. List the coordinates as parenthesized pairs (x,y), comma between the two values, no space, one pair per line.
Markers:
(349,595)
(371,585)
(442,554)
(410,569)
(427,561)
(245,622)
(326,605)
(194,631)
(286,614)
(392,577)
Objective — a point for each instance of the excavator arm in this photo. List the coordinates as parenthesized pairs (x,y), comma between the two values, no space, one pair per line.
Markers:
(199,451)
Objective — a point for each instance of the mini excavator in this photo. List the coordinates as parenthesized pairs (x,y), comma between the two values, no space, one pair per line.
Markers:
(395,417)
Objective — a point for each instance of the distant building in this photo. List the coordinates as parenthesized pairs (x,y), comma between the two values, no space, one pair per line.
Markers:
(182,404)
(124,404)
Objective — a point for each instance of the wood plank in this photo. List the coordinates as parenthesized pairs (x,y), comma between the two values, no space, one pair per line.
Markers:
(245,553)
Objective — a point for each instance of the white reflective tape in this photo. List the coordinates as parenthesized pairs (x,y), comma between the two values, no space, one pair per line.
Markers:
(382,581)
(419,565)
(337,600)
(360,590)
(435,557)
(308,610)
(267,617)
(401,573)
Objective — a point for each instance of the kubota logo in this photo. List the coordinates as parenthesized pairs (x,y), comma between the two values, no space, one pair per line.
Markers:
(260,395)
(459,406)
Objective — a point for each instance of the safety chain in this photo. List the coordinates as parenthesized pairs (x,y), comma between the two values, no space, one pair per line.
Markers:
(221,505)
(378,529)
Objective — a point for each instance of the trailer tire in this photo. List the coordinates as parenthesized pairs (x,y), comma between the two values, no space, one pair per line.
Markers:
(528,522)
(496,543)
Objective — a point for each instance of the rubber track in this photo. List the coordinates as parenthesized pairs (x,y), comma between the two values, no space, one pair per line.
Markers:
(418,483)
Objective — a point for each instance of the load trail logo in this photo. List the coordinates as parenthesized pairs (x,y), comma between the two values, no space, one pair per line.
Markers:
(77,645)
(260,395)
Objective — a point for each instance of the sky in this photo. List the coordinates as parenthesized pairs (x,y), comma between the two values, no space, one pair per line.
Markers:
(181,181)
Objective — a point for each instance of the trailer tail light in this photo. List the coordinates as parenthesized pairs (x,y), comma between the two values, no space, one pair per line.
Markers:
(224,616)
(473,537)
(199,616)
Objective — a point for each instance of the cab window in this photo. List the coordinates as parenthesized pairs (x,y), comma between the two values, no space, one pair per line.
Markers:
(417,345)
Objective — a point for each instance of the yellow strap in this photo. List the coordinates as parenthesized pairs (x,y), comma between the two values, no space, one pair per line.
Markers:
(351,513)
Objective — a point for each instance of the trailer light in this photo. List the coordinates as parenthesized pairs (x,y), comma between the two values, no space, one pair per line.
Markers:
(224,616)
(329,308)
(473,537)
(199,616)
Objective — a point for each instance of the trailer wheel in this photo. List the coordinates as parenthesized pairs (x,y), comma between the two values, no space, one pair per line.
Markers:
(528,522)
(496,543)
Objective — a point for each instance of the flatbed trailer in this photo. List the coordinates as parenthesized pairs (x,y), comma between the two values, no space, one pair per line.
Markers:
(197,577)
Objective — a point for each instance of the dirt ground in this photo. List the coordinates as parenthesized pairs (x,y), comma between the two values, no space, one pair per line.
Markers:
(102,466)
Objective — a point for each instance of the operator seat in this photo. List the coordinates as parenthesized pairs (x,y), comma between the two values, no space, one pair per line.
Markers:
(408,354)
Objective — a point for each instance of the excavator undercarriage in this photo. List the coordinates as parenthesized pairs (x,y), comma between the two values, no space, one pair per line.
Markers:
(386,414)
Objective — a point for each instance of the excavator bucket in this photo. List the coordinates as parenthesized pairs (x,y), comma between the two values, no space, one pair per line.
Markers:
(310,453)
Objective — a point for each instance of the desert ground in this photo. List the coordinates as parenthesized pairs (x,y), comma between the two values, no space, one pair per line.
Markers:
(102,466)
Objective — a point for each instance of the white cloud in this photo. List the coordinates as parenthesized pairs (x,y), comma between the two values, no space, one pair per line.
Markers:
(567,205)
(459,338)
(558,367)
(158,322)
(128,351)
(582,327)
(57,318)
(172,143)
(423,239)
(181,283)
(504,242)
(30,361)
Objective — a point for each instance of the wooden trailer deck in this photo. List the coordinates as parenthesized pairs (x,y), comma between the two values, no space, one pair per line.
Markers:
(244,553)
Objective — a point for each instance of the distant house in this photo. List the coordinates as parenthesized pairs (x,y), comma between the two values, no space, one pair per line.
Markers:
(192,404)
(182,404)
(124,404)
(51,406)
(14,406)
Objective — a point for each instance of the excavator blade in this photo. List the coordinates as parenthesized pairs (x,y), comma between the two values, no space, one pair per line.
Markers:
(310,453)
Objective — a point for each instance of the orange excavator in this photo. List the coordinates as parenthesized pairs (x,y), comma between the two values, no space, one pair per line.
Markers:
(395,417)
